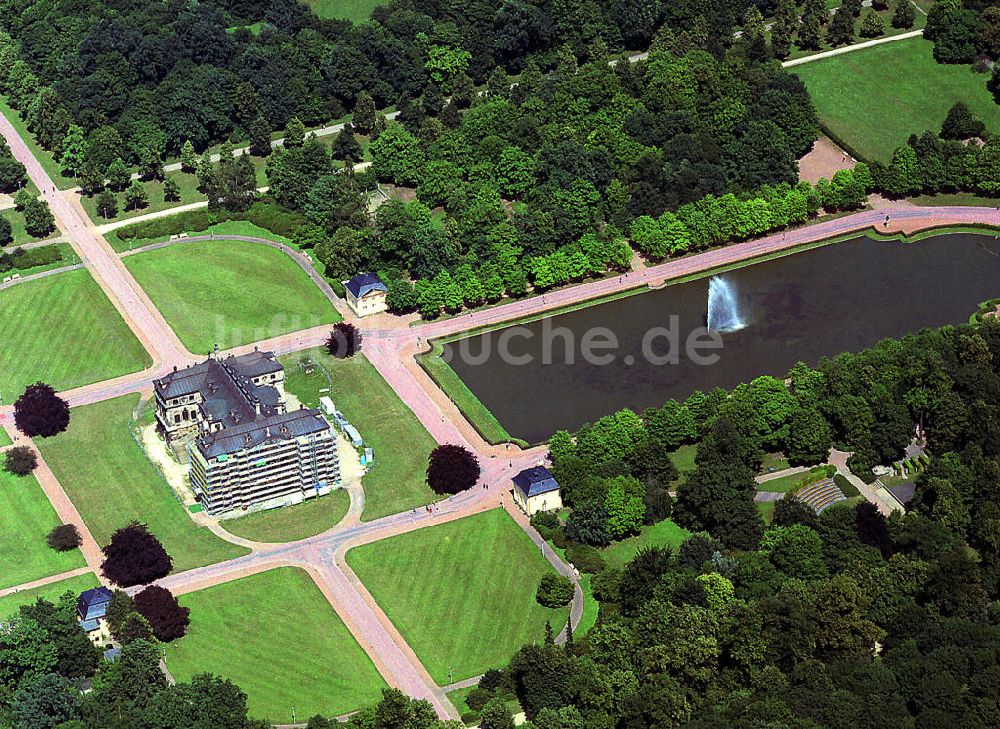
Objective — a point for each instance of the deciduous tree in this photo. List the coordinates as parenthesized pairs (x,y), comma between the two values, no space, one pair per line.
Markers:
(135,557)
(41,412)
(451,469)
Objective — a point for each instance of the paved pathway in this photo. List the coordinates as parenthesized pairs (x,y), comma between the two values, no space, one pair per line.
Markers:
(40,274)
(880,497)
(45,581)
(851,49)
(127,296)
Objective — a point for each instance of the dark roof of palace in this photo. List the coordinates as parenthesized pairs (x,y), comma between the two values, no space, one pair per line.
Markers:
(534,481)
(364,283)
(249,435)
(228,393)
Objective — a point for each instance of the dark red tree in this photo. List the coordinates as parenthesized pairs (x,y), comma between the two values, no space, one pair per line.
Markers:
(167,617)
(64,538)
(135,557)
(39,411)
(20,461)
(451,469)
(344,340)
(872,529)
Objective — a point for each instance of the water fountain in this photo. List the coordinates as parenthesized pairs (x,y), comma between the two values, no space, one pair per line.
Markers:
(723,308)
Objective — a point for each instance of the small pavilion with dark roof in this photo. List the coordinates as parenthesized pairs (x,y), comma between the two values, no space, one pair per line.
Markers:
(536,489)
(366,294)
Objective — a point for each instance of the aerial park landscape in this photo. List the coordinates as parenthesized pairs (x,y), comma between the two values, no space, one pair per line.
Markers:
(374,363)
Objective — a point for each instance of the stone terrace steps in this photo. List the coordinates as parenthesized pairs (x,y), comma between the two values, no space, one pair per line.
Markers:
(821,494)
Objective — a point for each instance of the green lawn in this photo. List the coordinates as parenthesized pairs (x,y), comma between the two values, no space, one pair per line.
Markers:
(766,510)
(229,292)
(683,459)
(10,603)
(662,533)
(276,636)
(356,11)
(26,516)
(875,98)
(957,198)
(4,438)
(398,480)
(291,523)
(111,482)
(94,343)
(591,607)
(785,483)
(462,593)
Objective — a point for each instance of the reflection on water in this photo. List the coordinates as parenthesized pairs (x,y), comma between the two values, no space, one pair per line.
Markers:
(838,298)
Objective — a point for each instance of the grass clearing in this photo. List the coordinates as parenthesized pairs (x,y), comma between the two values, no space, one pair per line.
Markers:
(292,523)
(766,511)
(111,482)
(401,444)
(52,592)
(94,343)
(357,11)
(252,291)
(4,438)
(462,594)
(26,516)
(275,635)
(660,534)
(873,99)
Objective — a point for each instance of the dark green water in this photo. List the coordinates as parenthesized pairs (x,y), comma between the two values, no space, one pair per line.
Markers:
(841,297)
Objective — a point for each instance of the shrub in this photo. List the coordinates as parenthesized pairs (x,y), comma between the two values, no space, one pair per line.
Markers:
(20,460)
(606,584)
(560,539)
(344,340)
(167,617)
(659,504)
(545,519)
(588,524)
(478,698)
(135,557)
(451,469)
(585,558)
(849,489)
(493,679)
(40,412)
(64,537)
(554,590)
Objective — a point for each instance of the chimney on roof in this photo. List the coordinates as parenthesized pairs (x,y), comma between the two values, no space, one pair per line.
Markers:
(247,439)
(175,368)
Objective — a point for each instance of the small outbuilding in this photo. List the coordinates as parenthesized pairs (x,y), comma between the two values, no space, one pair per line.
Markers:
(536,489)
(366,294)
(91,607)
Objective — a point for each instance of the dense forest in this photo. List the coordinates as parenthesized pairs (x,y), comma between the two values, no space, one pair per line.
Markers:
(845,619)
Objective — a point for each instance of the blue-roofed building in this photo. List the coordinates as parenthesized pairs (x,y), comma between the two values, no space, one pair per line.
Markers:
(536,489)
(91,607)
(366,294)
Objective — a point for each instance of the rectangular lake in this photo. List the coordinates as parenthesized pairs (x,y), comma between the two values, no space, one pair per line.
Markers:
(841,297)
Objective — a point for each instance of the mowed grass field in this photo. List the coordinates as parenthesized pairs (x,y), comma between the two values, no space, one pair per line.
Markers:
(26,516)
(111,482)
(62,330)
(664,533)
(401,444)
(291,523)
(276,636)
(229,292)
(357,11)
(875,98)
(462,593)
(52,592)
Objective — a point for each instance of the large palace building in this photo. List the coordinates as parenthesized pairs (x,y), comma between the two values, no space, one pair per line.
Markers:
(247,451)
